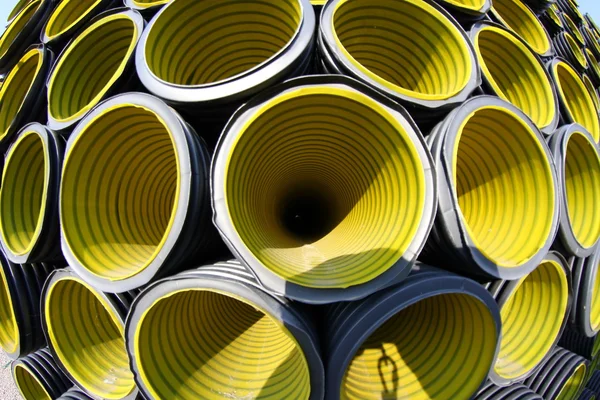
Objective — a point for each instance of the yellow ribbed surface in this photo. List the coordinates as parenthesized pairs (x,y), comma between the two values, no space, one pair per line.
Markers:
(468,4)
(119,186)
(573,28)
(21,4)
(16,87)
(67,14)
(595,307)
(405,45)
(551,12)
(89,66)
(520,19)
(582,187)
(9,330)
(88,338)
(438,348)
(515,74)
(23,193)
(577,51)
(591,90)
(593,61)
(538,304)
(578,101)
(356,162)
(200,344)
(29,385)
(17,25)
(572,386)
(504,186)
(201,42)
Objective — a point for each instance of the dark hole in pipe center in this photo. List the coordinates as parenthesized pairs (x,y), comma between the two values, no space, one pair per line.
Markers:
(307,214)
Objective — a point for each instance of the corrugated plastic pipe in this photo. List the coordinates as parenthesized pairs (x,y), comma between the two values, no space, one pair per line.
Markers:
(591,40)
(515,15)
(491,221)
(572,29)
(433,335)
(70,16)
(22,96)
(567,47)
(206,58)
(29,228)
(85,332)
(430,67)
(38,378)
(594,382)
(467,10)
(551,21)
(215,332)
(540,6)
(303,170)
(579,343)
(576,104)
(587,394)
(570,9)
(591,23)
(23,31)
(585,315)
(97,64)
(538,302)
(589,85)
(516,391)
(514,73)
(75,394)
(577,161)
(594,67)
(19,6)
(561,376)
(134,196)
(20,294)
(146,7)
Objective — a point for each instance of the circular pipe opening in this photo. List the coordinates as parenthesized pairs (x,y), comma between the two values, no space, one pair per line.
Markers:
(16,88)
(576,50)
(524,23)
(538,304)
(582,188)
(21,4)
(312,171)
(23,193)
(66,15)
(196,43)
(196,343)
(573,29)
(87,336)
(17,25)
(120,186)
(439,347)
(595,309)
(576,98)
(551,12)
(515,74)
(90,65)
(592,61)
(29,385)
(591,90)
(573,384)
(507,214)
(9,329)
(408,47)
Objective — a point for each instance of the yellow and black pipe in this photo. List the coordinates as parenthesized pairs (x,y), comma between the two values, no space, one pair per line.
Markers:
(511,71)
(467,11)
(389,345)
(85,328)
(492,223)
(539,302)
(566,46)
(587,394)
(147,8)
(593,71)
(561,376)
(20,294)
(75,394)
(516,391)
(29,222)
(591,88)
(215,331)
(22,95)
(206,58)
(591,23)
(576,103)
(134,196)
(540,6)
(430,66)
(320,161)
(96,64)
(570,9)
(577,161)
(592,41)
(594,382)
(579,343)
(551,21)
(516,16)
(573,29)
(37,376)
(585,312)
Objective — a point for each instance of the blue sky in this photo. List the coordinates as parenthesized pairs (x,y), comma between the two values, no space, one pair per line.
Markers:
(6,7)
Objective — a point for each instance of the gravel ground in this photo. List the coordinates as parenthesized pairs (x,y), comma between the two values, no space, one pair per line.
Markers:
(8,390)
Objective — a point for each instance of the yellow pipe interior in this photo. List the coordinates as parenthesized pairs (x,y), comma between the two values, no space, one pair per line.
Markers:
(87,336)
(17,25)
(200,344)
(468,4)
(504,186)
(29,385)
(23,193)
(577,51)
(595,308)
(67,14)
(120,185)
(9,330)
(591,90)
(203,42)
(407,46)
(439,348)
(515,74)
(573,28)
(538,304)
(592,61)
(313,171)
(21,4)
(524,23)
(573,384)
(552,13)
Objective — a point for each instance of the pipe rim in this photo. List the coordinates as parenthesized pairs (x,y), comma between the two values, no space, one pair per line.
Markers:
(551,12)
(145,4)
(593,62)
(178,133)
(65,276)
(17,24)
(470,78)
(547,123)
(591,90)
(21,4)
(247,84)
(593,39)
(572,385)
(470,5)
(576,50)
(10,336)
(15,251)
(588,295)
(61,119)
(573,29)
(343,86)
(51,32)
(18,372)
